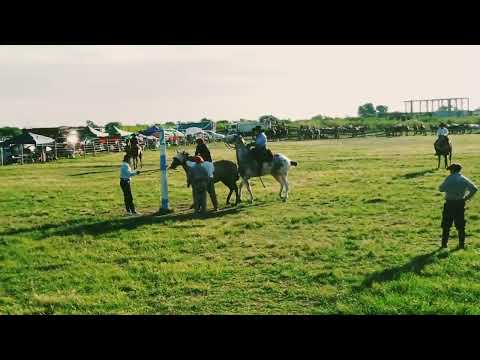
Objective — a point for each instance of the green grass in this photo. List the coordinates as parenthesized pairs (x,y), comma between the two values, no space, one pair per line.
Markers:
(359,235)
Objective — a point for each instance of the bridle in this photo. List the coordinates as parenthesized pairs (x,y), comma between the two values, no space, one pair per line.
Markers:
(229,146)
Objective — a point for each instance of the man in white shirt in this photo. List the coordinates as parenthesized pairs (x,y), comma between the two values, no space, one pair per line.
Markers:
(125,174)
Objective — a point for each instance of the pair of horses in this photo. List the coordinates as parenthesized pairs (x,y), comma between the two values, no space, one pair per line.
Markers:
(135,151)
(228,173)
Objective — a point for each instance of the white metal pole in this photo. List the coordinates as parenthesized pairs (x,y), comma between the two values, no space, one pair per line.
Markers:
(163,174)
(1,153)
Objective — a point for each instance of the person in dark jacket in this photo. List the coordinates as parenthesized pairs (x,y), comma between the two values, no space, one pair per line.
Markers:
(458,189)
(202,150)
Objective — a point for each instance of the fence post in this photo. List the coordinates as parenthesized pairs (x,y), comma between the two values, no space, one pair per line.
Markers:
(164,205)
(108,146)
(1,153)
(21,147)
(94,150)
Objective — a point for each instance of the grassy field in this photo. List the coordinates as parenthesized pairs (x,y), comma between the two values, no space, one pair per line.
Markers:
(359,235)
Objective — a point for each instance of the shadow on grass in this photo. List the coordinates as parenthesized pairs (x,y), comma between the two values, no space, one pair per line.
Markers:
(415,174)
(415,265)
(78,227)
(93,172)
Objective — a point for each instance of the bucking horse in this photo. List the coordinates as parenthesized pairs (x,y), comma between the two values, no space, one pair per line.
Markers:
(248,167)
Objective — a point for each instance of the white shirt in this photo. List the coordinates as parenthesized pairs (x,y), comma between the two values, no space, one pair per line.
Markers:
(442,131)
(126,172)
(206,164)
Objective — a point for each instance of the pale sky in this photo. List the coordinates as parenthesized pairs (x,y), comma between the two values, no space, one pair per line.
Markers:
(67,85)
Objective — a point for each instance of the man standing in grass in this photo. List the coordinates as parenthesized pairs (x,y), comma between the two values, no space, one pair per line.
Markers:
(198,176)
(458,189)
(203,151)
(125,174)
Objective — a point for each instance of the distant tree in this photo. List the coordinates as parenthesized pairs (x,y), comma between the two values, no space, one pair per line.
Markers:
(445,108)
(10,131)
(92,124)
(366,110)
(382,110)
(170,124)
(317,117)
(110,125)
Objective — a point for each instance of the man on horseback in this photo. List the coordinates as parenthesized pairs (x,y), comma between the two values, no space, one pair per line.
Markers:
(259,150)
(442,135)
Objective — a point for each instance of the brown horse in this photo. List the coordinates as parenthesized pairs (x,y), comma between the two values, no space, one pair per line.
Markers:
(135,151)
(443,147)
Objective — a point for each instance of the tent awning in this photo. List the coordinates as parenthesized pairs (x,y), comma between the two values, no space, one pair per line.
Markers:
(31,139)
(96,132)
(120,132)
(194,131)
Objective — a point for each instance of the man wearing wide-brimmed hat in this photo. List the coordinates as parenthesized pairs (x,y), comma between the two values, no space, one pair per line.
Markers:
(458,189)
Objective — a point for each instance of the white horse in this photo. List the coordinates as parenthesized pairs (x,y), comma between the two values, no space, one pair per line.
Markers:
(248,167)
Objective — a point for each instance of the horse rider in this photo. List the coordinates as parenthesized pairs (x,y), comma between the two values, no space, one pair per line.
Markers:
(458,189)
(442,132)
(203,151)
(199,177)
(259,147)
(125,174)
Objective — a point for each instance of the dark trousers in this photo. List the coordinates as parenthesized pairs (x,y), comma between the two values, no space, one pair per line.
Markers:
(211,191)
(199,191)
(127,195)
(453,213)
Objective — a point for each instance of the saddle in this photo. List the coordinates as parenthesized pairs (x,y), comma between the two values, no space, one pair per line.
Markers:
(264,156)
(442,144)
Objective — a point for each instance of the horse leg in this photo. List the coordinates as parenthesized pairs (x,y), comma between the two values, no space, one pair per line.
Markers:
(446,161)
(237,197)
(285,180)
(230,187)
(141,163)
(438,167)
(279,179)
(240,191)
(228,196)
(249,188)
